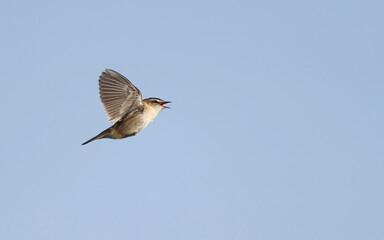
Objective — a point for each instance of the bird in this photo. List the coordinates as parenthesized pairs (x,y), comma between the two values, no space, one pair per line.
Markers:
(125,107)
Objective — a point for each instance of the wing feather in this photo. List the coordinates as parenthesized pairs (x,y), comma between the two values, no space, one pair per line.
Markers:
(118,95)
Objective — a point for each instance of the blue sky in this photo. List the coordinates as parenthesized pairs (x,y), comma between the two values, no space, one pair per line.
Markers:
(276,128)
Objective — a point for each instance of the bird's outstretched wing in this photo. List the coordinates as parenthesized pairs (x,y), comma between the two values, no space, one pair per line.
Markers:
(118,95)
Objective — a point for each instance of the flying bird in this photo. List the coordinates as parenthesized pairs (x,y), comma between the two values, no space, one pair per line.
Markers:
(125,106)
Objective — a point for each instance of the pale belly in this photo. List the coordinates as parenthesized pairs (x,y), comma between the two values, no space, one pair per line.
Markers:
(131,126)
(134,124)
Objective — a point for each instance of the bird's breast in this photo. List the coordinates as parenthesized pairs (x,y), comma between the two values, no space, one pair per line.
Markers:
(137,122)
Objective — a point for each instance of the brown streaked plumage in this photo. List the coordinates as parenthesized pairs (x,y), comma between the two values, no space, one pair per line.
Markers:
(125,106)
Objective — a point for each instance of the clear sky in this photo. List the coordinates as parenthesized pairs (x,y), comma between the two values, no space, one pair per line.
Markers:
(276,129)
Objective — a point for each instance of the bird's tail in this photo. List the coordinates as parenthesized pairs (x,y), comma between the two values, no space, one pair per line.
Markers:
(103,134)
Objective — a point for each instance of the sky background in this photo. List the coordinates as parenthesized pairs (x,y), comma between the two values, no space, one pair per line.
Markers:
(276,129)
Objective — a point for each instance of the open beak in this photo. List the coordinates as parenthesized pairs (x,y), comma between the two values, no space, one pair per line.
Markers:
(162,104)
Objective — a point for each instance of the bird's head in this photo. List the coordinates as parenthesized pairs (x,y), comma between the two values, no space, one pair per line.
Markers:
(157,103)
